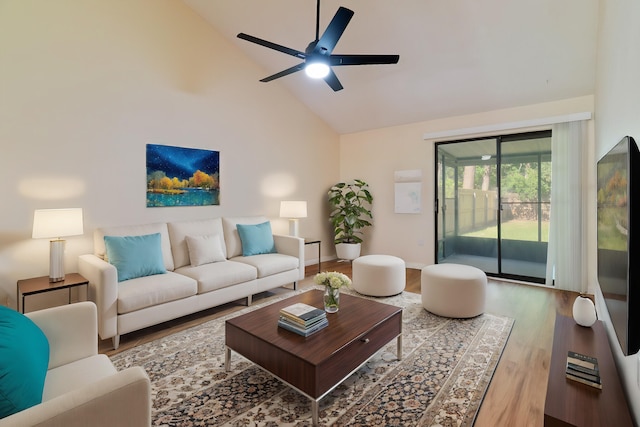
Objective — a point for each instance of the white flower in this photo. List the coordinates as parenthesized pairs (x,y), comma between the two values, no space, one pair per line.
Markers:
(334,279)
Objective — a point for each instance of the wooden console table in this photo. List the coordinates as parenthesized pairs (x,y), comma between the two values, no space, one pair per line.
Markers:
(569,403)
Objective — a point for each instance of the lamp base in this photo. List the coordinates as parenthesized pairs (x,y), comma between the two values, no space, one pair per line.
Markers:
(293,227)
(56,260)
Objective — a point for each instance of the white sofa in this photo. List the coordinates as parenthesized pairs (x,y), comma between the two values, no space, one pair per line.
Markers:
(137,303)
(82,387)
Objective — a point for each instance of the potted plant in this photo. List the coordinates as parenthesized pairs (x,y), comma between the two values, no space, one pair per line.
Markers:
(350,213)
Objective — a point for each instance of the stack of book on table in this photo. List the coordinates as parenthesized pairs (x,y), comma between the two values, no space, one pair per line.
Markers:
(583,369)
(302,319)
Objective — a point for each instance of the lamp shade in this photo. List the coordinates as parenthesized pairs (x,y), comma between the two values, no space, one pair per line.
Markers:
(49,223)
(293,209)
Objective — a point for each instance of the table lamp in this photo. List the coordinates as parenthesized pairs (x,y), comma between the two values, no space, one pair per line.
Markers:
(56,223)
(293,210)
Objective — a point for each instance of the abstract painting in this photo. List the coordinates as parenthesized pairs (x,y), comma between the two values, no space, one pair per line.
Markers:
(178,176)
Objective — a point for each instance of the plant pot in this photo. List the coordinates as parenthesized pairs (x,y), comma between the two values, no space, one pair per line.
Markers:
(348,251)
(584,312)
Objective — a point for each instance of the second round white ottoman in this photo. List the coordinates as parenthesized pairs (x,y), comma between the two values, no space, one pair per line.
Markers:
(379,275)
(453,290)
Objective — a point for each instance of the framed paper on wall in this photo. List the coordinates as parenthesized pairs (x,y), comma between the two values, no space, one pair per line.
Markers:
(408,188)
(178,176)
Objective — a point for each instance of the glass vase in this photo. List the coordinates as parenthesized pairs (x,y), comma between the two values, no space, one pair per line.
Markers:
(331,299)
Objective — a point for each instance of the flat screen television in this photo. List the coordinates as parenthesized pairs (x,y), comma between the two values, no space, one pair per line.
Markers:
(618,252)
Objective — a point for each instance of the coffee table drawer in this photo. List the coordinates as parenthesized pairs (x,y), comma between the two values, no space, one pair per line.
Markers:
(358,351)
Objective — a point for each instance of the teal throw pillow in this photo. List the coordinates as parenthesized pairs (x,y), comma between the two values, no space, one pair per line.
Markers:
(256,239)
(135,256)
(24,359)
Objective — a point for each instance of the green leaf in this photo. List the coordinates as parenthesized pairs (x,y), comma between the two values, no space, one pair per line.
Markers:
(351,203)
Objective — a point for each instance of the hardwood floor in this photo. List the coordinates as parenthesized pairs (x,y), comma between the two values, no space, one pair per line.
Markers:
(517,391)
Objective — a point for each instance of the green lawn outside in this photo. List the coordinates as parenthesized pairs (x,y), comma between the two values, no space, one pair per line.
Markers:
(514,230)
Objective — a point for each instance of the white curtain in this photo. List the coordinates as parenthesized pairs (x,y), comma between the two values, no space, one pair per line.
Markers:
(567,239)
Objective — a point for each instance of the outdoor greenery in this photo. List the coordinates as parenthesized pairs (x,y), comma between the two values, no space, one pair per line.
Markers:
(514,230)
(350,210)
(519,178)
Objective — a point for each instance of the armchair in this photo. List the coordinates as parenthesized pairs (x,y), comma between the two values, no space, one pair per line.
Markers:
(83,387)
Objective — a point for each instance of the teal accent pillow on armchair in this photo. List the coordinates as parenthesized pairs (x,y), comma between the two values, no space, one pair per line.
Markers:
(24,360)
(135,256)
(256,239)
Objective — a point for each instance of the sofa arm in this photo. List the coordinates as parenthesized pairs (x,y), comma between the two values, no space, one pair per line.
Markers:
(72,331)
(103,291)
(293,246)
(122,399)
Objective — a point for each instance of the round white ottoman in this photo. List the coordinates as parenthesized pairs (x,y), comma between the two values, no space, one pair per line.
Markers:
(453,290)
(378,275)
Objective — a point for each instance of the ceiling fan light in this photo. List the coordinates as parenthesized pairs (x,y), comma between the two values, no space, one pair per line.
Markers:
(317,70)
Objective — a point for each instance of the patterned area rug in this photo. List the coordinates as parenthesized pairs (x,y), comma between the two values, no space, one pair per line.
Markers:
(446,368)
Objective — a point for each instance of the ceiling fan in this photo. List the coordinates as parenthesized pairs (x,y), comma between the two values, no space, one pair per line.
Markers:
(318,57)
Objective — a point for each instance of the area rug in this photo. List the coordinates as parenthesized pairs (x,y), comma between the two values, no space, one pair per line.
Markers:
(445,371)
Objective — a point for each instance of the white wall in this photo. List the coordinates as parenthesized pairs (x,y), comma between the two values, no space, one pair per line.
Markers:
(617,115)
(85,85)
(375,155)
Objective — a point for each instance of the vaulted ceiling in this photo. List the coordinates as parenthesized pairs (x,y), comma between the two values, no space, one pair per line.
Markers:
(457,57)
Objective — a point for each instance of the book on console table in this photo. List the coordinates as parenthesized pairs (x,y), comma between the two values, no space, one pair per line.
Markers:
(285,323)
(583,369)
(303,314)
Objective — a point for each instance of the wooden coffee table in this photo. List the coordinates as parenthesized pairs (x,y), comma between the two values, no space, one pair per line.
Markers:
(315,365)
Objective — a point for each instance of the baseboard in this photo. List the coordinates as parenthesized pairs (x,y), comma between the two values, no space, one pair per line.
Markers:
(412,265)
(415,265)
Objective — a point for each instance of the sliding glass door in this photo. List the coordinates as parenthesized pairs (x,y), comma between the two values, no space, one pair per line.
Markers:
(525,177)
(467,220)
(492,203)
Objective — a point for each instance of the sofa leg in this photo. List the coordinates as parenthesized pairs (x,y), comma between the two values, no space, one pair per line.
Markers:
(295,286)
(116,342)
(249,298)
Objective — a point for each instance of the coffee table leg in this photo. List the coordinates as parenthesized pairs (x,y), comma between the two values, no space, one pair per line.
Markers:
(399,347)
(314,412)
(227,359)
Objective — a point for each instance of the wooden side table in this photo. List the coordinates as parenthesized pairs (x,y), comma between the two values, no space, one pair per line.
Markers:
(38,285)
(311,241)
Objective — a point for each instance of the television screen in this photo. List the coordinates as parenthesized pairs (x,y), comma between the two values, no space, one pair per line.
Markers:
(615,273)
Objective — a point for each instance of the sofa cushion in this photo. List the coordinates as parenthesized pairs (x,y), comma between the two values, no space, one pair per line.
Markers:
(231,236)
(135,256)
(178,231)
(219,275)
(269,264)
(205,249)
(24,359)
(134,230)
(256,238)
(74,375)
(148,291)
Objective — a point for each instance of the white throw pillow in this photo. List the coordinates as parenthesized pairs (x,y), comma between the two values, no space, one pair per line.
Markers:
(204,249)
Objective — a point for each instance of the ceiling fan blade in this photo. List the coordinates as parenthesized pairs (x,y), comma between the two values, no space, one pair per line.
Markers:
(363,59)
(334,31)
(284,73)
(332,80)
(273,46)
